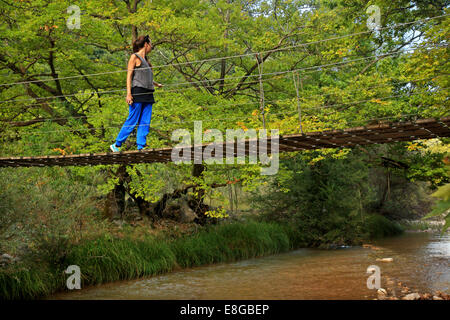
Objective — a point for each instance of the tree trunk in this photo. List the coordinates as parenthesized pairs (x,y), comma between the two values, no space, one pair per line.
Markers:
(386,191)
(115,200)
(197,199)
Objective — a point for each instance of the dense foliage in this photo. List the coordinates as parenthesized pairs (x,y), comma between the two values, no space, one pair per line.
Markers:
(63,92)
(63,88)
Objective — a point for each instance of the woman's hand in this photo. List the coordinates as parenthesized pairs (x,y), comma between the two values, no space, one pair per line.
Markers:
(129,99)
(159,85)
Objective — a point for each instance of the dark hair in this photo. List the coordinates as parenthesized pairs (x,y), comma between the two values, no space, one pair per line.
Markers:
(139,43)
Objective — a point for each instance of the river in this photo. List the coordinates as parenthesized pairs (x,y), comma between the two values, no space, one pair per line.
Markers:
(421,261)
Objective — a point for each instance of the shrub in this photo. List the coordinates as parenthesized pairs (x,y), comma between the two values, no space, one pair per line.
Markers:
(377,226)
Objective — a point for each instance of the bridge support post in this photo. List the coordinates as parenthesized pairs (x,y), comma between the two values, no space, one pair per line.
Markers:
(299,108)
(260,61)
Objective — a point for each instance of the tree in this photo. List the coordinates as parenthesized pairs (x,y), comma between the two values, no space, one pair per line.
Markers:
(63,88)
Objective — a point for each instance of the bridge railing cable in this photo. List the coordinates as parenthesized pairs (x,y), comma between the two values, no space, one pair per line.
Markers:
(276,73)
(351,103)
(277,101)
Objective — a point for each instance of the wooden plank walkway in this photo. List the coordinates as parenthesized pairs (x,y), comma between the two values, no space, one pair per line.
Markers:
(347,138)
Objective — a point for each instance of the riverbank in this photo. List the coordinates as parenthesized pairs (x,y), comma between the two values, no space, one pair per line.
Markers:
(422,226)
(111,258)
(395,284)
(420,262)
(399,291)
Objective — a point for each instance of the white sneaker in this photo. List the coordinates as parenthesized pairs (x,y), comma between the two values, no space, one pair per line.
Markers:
(114,148)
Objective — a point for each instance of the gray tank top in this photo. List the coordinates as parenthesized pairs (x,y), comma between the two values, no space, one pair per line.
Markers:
(143,75)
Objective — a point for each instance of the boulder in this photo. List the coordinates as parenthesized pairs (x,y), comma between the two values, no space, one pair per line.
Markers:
(382,291)
(187,214)
(412,296)
(381,294)
(386,259)
(6,256)
(180,211)
(6,259)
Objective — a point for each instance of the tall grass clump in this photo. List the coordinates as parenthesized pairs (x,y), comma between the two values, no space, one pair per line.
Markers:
(20,282)
(109,259)
(230,242)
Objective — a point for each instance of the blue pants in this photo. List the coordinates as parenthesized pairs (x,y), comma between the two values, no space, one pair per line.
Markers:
(140,114)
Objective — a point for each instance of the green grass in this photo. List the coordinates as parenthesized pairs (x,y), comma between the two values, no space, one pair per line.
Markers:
(22,282)
(108,259)
(230,242)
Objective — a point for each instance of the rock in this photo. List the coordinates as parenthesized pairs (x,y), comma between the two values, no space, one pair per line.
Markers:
(412,296)
(187,214)
(405,290)
(442,295)
(437,298)
(179,210)
(386,259)
(427,296)
(369,246)
(6,256)
(6,259)
(382,291)
(381,294)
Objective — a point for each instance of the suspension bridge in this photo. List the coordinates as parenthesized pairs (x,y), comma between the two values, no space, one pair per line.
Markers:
(345,138)
(383,132)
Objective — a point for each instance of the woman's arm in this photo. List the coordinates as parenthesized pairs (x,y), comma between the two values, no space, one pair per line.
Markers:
(156,84)
(159,85)
(131,64)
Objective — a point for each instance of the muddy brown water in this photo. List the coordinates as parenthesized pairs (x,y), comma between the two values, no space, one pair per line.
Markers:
(421,261)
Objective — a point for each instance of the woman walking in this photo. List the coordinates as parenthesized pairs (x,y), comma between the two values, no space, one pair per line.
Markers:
(140,88)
